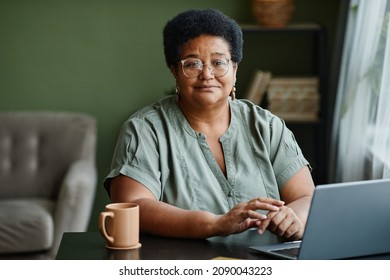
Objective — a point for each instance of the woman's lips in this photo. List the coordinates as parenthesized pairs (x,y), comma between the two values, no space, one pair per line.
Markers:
(206,87)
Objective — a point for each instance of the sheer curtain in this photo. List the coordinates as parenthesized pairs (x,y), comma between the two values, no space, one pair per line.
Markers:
(360,142)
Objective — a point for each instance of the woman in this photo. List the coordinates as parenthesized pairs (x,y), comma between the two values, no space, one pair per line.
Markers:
(203,163)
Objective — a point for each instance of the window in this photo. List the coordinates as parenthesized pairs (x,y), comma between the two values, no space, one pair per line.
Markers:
(361,130)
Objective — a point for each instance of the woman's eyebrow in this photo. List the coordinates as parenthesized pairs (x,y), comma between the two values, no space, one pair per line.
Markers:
(212,54)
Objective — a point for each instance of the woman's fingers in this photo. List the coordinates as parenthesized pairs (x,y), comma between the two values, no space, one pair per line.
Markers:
(265,203)
(283,223)
(249,214)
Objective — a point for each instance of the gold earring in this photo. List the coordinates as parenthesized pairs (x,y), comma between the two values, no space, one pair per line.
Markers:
(177,93)
(233,93)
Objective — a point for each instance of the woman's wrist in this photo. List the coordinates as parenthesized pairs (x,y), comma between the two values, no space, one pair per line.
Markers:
(208,224)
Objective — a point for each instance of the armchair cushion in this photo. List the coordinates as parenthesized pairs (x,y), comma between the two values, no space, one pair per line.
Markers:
(26,217)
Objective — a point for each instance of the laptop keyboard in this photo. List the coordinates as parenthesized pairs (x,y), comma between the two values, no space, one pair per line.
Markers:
(292,252)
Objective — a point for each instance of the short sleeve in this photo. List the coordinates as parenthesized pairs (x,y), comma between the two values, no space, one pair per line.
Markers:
(136,155)
(285,154)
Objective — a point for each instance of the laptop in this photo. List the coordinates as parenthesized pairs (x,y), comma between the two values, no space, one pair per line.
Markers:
(346,220)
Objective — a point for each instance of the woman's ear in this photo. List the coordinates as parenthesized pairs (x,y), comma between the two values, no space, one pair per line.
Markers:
(173,71)
(235,68)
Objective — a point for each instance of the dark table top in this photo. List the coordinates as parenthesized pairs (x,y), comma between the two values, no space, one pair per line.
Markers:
(91,246)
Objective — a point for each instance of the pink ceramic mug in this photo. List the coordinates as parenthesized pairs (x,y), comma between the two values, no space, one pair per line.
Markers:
(119,225)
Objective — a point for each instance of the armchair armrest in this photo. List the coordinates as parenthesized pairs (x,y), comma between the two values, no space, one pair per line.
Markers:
(75,200)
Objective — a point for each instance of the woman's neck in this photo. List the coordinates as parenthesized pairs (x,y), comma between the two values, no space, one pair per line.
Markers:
(209,121)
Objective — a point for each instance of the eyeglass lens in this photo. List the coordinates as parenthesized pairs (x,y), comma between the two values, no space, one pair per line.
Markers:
(193,67)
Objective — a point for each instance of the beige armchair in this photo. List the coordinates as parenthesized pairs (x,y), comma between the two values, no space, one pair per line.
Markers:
(47,180)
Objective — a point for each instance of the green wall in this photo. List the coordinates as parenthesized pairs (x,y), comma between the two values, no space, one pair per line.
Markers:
(102,57)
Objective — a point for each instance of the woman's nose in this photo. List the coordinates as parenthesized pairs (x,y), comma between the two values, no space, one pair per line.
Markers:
(207,72)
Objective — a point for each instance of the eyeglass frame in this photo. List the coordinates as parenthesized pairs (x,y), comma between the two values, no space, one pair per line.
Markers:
(203,65)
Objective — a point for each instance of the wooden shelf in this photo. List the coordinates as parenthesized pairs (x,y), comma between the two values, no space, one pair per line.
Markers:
(299,27)
(310,134)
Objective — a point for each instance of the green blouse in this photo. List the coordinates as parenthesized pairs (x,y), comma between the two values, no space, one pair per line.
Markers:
(158,148)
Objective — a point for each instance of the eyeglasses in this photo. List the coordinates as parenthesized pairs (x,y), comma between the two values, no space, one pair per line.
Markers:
(193,67)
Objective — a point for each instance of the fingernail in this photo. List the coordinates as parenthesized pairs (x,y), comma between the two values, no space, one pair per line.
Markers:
(260,231)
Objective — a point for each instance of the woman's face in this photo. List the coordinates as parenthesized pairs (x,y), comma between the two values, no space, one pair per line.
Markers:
(205,89)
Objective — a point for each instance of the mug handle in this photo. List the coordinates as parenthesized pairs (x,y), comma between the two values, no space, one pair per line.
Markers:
(102,225)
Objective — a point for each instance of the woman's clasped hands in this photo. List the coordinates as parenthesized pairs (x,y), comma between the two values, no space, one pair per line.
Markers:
(264,214)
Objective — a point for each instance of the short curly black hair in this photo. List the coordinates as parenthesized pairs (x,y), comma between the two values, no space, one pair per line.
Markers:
(193,23)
